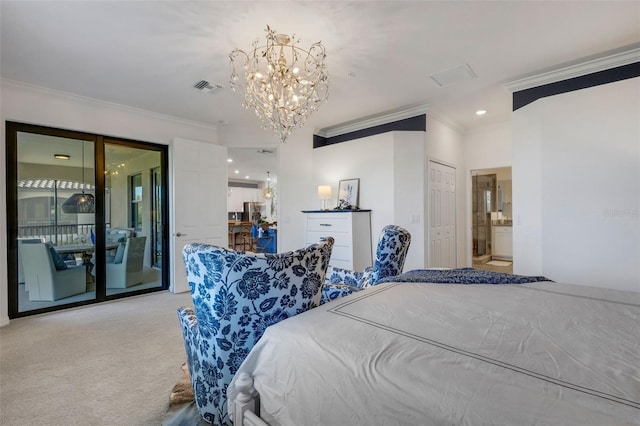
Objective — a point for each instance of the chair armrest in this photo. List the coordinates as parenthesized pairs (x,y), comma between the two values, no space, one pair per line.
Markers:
(343,276)
(332,291)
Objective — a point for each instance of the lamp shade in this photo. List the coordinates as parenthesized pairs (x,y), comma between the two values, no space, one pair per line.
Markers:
(324,191)
(80,203)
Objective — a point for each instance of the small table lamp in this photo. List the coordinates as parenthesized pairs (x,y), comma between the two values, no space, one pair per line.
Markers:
(324,193)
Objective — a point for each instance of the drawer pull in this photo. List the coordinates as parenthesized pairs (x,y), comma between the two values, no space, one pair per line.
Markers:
(325,224)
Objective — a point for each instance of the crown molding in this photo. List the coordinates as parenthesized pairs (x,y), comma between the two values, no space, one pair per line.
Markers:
(444,119)
(588,67)
(372,121)
(104,104)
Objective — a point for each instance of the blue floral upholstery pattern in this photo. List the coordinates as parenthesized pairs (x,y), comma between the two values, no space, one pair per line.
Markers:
(391,253)
(463,276)
(236,296)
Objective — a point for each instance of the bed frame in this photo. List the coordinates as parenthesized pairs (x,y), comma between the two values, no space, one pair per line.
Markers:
(245,409)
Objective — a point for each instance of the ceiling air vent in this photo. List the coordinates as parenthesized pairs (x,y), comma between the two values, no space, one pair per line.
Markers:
(454,75)
(206,87)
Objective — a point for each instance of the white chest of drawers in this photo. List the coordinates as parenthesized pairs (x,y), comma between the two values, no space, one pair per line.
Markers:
(351,231)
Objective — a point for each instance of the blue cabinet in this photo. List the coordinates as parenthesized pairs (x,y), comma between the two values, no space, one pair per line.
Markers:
(267,241)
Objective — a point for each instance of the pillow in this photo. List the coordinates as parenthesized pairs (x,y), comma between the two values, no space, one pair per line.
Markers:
(119,254)
(58,261)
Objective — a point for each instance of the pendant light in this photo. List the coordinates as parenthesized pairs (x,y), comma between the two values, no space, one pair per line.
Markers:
(268,192)
(80,202)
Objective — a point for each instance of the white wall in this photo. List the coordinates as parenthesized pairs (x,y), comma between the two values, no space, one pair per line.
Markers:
(371,159)
(488,147)
(392,171)
(576,186)
(296,191)
(390,167)
(34,105)
(409,193)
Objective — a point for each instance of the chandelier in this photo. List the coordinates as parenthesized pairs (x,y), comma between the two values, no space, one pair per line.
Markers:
(80,202)
(282,83)
(268,191)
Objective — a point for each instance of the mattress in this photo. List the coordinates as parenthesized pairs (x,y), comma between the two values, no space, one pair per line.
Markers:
(438,354)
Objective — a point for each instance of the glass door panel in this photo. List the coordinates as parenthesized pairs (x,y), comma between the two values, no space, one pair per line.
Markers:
(86,218)
(156,217)
(132,249)
(55,221)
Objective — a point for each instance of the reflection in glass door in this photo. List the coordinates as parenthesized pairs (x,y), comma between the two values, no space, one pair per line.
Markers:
(156,217)
(81,218)
(483,203)
(130,240)
(55,221)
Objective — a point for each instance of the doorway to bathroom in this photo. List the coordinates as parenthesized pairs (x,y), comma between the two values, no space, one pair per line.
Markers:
(491,219)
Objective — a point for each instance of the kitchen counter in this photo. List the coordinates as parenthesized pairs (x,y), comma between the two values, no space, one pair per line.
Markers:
(504,222)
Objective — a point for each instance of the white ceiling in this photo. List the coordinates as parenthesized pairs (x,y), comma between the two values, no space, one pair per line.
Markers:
(380,55)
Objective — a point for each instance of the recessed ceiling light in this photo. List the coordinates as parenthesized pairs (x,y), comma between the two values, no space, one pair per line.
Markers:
(229,160)
(481,112)
(61,156)
(246,177)
(236,171)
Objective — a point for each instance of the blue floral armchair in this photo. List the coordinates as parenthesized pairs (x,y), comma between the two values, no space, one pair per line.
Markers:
(390,256)
(236,296)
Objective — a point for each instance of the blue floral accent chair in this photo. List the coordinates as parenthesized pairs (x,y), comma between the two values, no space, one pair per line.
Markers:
(390,256)
(236,296)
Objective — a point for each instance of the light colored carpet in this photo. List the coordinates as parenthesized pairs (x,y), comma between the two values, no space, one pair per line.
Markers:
(107,364)
(498,263)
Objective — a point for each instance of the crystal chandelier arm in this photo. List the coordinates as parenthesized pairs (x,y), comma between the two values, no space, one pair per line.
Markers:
(283,83)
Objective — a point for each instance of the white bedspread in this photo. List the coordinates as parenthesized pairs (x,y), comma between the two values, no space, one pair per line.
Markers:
(449,354)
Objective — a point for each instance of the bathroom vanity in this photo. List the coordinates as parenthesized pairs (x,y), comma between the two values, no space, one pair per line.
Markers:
(502,237)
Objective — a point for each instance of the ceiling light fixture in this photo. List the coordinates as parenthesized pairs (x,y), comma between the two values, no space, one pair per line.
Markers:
(481,112)
(80,202)
(268,191)
(229,160)
(61,156)
(282,83)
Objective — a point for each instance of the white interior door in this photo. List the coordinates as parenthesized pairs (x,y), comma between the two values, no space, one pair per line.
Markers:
(199,200)
(442,215)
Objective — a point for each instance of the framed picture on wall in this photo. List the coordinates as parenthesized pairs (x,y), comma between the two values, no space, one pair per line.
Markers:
(348,193)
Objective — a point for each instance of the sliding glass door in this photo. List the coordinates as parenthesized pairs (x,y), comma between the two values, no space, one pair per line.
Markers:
(130,238)
(81,218)
(55,221)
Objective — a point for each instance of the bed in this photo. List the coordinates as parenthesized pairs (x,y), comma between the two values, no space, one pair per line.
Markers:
(419,353)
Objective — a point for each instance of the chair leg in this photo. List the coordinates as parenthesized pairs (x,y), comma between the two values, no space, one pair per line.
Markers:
(248,243)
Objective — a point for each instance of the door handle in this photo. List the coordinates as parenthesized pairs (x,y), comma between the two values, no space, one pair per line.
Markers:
(179,234)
